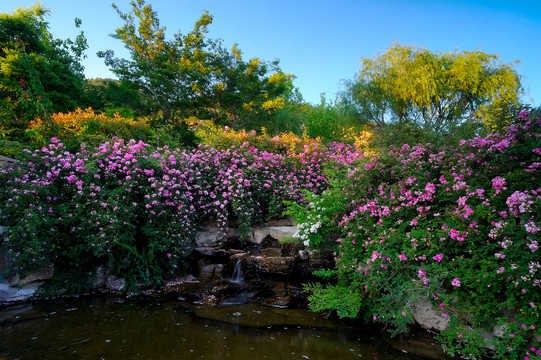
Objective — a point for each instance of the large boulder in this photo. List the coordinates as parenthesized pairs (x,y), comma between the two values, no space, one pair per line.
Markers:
(276,232)
(428,316)
(9,293)
(45,273)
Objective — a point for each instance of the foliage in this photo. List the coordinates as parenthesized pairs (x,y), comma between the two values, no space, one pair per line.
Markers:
(172,74)
(11,149)
(458,227)
(85,126)
(135,210)
(110,96)
(191,75)
(39,74)
(224,138)
(246,93)
(435,91)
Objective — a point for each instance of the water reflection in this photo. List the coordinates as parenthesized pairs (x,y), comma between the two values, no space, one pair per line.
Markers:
(106,328)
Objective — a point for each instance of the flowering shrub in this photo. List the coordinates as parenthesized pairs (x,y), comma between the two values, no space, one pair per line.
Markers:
(138,210)
(459,228)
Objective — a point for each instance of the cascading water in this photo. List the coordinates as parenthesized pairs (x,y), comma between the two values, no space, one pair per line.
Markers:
(238,274)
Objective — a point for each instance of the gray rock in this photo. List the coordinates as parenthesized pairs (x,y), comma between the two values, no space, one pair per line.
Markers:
(207,237)
(11,294)
(212,272)
(303,255)
(276,232)
(45,273)
(99,278)
(114,283)
(288,221)
(426,315)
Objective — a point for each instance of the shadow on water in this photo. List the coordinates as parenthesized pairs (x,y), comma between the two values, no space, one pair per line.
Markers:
(146,328)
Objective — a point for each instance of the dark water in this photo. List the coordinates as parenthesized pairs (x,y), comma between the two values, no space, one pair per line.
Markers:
(145,328)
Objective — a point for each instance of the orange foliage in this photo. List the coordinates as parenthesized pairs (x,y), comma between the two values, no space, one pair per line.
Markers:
(71,126)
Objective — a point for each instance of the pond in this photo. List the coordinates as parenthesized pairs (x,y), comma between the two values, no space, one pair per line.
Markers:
(150,328)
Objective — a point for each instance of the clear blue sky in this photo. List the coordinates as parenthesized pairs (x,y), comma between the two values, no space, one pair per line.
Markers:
(321,42)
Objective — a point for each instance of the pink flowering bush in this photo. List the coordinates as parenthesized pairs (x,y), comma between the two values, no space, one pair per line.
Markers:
(458,227)
(136,210)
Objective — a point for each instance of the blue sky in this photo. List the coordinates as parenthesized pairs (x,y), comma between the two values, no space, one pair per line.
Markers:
(321,42)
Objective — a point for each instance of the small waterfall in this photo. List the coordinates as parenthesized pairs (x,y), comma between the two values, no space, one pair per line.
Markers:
(238,275)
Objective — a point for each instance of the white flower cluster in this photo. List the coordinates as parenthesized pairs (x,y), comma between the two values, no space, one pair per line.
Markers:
(311,225)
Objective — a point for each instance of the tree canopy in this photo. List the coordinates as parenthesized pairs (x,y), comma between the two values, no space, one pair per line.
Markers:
(435,91)
(39,73)
(191,75)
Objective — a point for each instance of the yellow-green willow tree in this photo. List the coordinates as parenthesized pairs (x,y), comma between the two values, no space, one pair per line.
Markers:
(434,91)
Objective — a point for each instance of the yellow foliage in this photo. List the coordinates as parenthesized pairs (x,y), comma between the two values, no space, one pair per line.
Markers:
(463,85)
(248,106)
(236,52)
(252,65)
(72,125)
(278,78)
(275,104)
(225,138)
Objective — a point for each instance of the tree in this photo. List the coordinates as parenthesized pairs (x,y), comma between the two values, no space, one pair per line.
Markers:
(39,74)
(434,91)
(110,96)
(191,75)
(173,75)
(246,93)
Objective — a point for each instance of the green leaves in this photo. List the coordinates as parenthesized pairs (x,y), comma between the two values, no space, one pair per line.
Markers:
(39,74)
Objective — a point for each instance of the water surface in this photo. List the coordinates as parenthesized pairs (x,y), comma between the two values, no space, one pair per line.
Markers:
(146,328)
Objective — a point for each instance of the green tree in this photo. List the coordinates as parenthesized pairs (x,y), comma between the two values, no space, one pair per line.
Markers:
(39,73)
(173,75)
(436,92)
(247,93)
(110,96)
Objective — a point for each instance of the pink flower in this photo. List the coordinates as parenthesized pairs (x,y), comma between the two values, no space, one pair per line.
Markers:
(403,257)
(456,282)
(438,257)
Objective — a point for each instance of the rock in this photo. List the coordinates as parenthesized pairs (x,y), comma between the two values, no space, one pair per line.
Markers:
(426,315)
(11,294)
(211,273)
(320,259)
(273,266)
(207,237)
(211,252)
(260,234)
(499,331)
(276,232)
(303,255)
(99,278)
(271,252)
(45,273)
(114,283)
(188,287)
(280,222)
